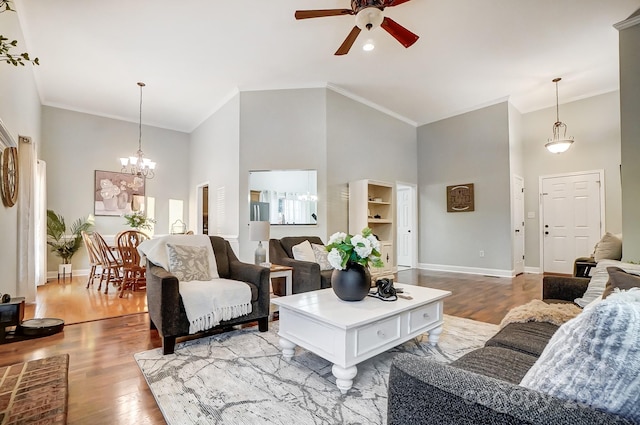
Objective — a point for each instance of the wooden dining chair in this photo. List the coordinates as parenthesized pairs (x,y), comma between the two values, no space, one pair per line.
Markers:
(95,259)
(111,264)
(133,273)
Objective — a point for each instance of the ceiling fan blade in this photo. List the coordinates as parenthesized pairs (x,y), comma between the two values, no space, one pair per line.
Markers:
(400,33)
(305,14)
(391,3)
(348,42)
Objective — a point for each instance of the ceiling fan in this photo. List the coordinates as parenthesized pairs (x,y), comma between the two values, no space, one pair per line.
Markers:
(368,16)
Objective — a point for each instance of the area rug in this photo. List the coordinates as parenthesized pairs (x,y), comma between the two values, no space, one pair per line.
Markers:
(240,377)
(35,392)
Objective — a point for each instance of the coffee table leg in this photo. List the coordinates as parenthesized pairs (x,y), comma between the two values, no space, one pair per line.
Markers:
(288,348)
(434,335)
(344,377)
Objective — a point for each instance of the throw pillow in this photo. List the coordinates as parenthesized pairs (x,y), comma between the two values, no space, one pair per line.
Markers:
(620,279)
(188,263)
(303,252)
(609,248)
(320,252)
(600,278)
(156,250)
(594,358)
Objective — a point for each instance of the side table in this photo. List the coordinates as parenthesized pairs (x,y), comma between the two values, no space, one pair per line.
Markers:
(287,273)
(11,314)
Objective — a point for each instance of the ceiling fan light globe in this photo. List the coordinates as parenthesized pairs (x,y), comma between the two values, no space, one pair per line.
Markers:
(368,46)
(369,18)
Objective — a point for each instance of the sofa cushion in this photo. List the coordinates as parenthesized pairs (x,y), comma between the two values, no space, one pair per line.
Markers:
(594,359)
(529,338)
(620,279)
(600,277)
(497,362)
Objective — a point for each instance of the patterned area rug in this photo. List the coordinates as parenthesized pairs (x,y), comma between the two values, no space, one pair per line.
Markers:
(240,377)
(35,392)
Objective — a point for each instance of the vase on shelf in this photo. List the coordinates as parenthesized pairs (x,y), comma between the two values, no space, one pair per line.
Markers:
(352,283)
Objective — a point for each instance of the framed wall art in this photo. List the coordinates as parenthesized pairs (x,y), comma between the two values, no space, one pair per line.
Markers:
(117,193)
(460,198)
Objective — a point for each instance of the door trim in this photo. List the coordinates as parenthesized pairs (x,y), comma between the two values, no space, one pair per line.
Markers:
(413,219)
(199,206)
(515,177)
(540,209)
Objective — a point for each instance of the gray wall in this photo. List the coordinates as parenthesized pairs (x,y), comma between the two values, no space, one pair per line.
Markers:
(630,125)
(468,148)
(364,143)
(215,160)
(76,144)
(279,130)
(20,112)
(594,124)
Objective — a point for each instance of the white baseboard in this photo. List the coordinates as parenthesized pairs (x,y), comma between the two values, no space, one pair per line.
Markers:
(467,270)
(534,270)
(76,272)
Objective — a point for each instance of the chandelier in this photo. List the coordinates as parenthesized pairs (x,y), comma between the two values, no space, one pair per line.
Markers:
(559,143)
(139,165)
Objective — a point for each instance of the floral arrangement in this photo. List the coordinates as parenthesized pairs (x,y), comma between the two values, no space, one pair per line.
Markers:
(363,249)
(138,220)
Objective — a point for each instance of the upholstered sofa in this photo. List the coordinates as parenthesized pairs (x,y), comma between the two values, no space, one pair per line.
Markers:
(307,275)
(166,309)
(482,386)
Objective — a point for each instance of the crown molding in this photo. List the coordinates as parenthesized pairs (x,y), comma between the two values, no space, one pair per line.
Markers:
(628,23)
(371,104)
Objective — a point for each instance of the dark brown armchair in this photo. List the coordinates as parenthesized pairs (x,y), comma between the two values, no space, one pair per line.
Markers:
(166,309)
(306,275)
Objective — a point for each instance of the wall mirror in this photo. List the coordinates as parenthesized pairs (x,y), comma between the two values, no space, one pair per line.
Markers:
(283,196)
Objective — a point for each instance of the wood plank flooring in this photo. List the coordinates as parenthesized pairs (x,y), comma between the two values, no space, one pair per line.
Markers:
(105,384)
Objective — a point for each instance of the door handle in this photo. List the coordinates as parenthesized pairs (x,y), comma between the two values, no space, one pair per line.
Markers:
(517,230)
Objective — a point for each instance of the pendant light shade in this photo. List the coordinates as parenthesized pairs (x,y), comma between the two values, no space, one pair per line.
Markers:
(560,142)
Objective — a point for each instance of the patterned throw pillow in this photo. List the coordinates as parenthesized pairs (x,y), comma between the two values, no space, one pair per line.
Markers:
(320,252)
(594,358)
(303,252)
(188,263)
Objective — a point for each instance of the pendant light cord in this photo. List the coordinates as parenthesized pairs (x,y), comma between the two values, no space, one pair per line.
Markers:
(140,122)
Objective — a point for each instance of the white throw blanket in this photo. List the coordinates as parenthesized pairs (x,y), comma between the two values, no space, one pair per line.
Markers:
(209,303)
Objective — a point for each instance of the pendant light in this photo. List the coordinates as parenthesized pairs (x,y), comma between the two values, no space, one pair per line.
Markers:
(139,165)
(559,143)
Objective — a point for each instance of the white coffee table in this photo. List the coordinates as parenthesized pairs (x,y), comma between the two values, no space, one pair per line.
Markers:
(347,333)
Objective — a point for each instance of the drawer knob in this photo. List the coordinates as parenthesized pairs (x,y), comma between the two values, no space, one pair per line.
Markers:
(380,333)
(425,315)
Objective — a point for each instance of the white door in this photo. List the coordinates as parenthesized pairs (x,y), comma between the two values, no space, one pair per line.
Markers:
(571,219)
(518,225)
(405,229)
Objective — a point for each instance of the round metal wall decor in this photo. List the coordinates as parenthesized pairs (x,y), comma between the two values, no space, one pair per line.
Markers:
(10,176)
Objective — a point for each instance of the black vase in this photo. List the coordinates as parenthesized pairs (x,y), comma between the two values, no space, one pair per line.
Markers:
(352,283)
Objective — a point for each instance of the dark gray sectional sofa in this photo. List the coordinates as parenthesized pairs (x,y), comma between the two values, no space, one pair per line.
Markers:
(482,386)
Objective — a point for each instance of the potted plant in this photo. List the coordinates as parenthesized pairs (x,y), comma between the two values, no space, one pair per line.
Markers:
(62,244)
(139,221)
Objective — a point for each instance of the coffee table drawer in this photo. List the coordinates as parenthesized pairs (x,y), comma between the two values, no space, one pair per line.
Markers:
(424,316)
(377,334)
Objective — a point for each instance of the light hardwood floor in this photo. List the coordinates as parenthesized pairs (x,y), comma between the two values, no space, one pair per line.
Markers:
(105,384)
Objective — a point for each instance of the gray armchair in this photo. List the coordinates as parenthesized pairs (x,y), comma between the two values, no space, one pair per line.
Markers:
(166,309)
(306,275)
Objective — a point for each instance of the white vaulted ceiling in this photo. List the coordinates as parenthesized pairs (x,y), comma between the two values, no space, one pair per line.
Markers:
(194,54)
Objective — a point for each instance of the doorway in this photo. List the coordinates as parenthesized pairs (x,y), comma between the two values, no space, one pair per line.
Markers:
(203,208)
(571,218)
(407,229)
(518,225)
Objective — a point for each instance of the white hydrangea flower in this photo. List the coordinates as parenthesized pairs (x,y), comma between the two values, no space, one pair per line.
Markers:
(375,244)
(363,251)
(337,237)
(335,259)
